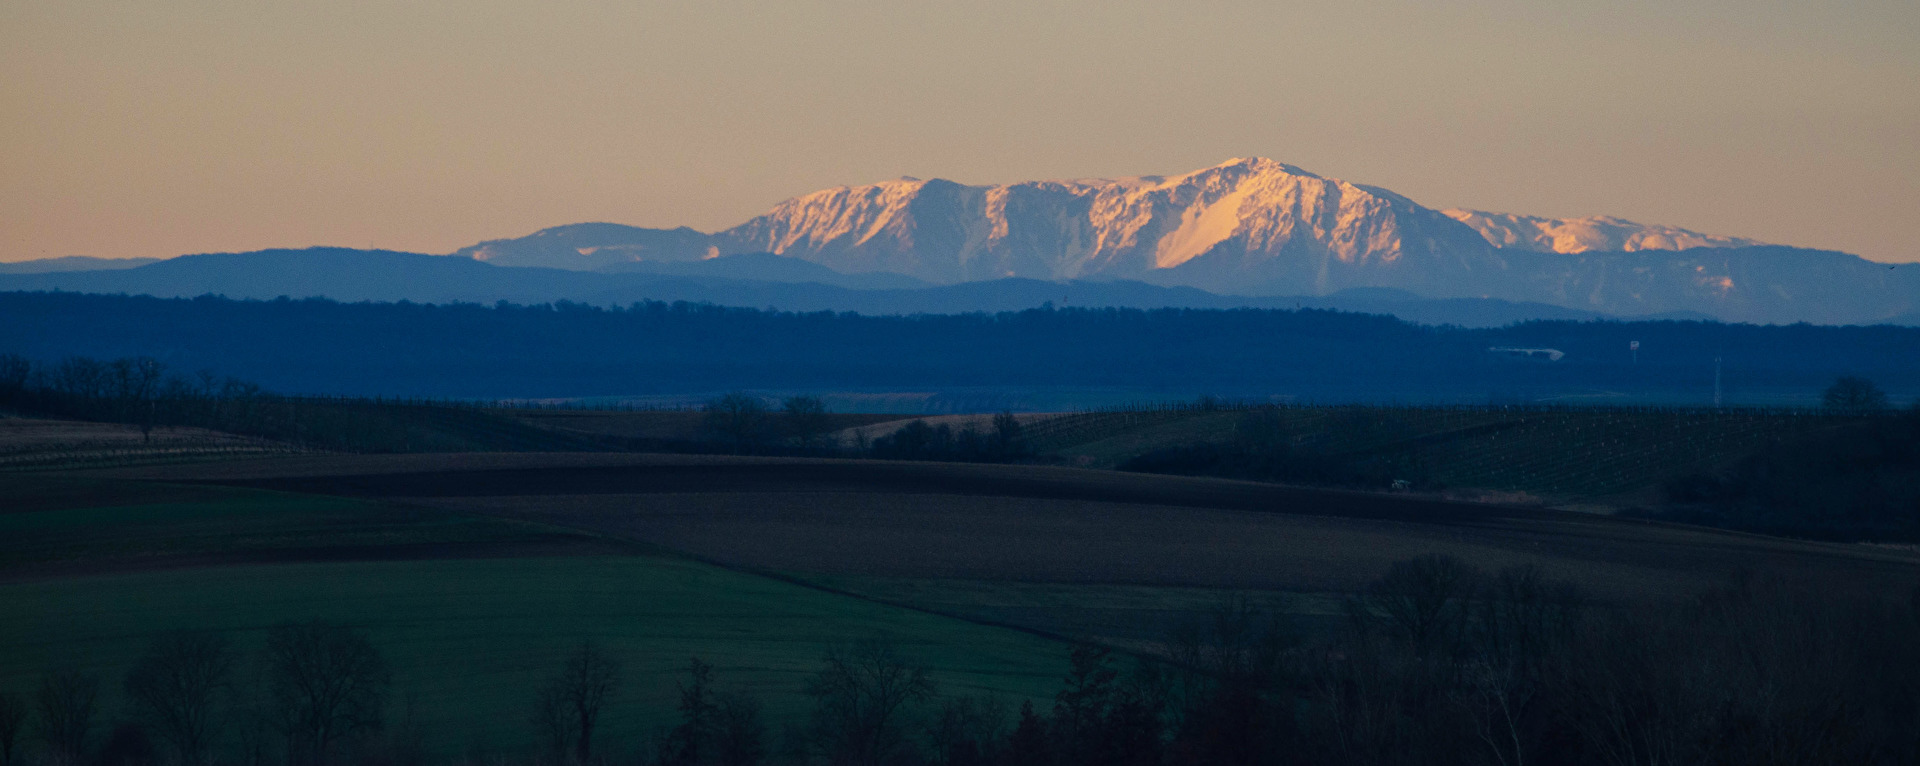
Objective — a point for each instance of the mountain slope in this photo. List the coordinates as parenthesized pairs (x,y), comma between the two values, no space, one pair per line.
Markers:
(1244,221)
(593,246)
(1765,284)
(1581,235)
(338,273)
(373,275)
(72,263)
(767,267)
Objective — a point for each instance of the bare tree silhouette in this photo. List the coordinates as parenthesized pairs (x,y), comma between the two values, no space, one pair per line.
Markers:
(176,685)
(570,705)
(327,682)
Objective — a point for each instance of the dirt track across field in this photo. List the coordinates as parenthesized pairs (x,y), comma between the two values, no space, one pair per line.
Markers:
(1043,524)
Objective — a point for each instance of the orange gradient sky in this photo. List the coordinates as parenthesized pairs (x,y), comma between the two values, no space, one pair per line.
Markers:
(157,129)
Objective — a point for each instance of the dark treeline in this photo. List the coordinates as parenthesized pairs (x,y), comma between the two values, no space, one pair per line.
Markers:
(1856,480)
(1435,663)
(917,440)
(558,350)
(1860,481)
(145,393)
(1261,449)
(742,423)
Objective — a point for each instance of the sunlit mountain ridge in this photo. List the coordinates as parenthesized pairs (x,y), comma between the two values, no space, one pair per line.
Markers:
(1581,235)
(1256,226)
(1252,227)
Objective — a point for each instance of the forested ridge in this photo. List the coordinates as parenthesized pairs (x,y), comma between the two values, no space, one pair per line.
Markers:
(564,349)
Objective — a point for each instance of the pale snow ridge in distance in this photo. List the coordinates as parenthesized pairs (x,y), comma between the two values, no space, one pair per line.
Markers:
(1580,235)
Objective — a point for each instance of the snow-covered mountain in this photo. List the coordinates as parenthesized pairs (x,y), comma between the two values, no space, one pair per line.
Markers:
(1245,221)
(1252,227)
(1581,235)
(594,247)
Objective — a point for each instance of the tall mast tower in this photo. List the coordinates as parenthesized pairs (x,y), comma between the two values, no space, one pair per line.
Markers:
(1716,382)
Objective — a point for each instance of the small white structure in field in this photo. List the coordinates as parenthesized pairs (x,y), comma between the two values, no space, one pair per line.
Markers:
(1549,354)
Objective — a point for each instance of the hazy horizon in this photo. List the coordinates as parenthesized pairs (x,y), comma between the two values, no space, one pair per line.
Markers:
(149,131)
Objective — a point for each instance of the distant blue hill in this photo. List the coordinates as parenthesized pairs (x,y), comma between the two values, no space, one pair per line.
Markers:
(72,263)
(325,347)
(766,267)
(750,280)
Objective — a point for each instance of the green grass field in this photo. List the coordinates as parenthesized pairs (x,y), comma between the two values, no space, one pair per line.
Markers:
(472,612)
(1139,618)
(473,639)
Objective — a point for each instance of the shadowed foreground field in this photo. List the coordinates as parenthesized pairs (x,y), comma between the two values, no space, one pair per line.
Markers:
(473,639)
(475,574)
(473,612)
(878,527)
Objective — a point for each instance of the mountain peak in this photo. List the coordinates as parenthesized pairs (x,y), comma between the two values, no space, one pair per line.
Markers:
(1259,165)
(1248,225)
(1249,218)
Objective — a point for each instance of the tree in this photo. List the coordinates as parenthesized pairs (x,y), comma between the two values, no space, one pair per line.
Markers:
(327,682)
(1099,720)
(1527,618)
(806,418)
(715,727)
(1008,442)
(741,735)
(1237,643)
(137,383)
(1028,745)
(1231,661)
(739,419)
(555,725)
(859,697)
(1081,706)
(176,686)
(67,704)
(1855,396)
(13,717)
(14,372)
(80,377)
(127,745)
(1424,599)
(967,731)
(699,717)
(572,701)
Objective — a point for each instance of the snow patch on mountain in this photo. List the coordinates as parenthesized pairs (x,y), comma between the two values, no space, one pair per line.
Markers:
(1580,235)
(594,246)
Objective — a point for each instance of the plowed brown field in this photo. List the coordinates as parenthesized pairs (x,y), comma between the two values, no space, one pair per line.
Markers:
(1044,524)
